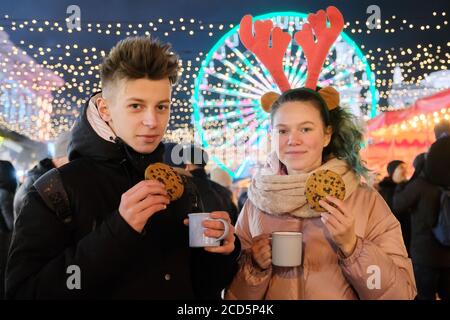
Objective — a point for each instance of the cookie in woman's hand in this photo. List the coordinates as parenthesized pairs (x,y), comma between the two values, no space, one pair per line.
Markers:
(165,174)
(323,183)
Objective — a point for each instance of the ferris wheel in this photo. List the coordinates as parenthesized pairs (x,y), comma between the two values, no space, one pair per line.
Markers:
(228,118)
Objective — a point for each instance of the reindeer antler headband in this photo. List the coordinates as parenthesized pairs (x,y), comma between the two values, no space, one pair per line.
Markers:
(315,39)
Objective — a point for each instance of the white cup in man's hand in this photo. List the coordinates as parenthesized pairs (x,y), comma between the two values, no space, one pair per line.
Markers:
(197,237)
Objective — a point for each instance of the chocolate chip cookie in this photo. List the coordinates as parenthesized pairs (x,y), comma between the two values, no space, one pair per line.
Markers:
(323,183)
(166,175)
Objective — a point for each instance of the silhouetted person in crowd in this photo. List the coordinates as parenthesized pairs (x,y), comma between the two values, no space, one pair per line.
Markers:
(59,159)
(396,174)
(396,170)
(213,196)
(220,176)
(421,197)
(8,185)
(442,129)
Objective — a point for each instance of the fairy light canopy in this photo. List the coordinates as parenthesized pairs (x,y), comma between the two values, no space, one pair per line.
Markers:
(414,40)
(26,88)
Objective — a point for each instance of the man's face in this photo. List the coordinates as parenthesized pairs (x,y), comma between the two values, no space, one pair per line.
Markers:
(138,111)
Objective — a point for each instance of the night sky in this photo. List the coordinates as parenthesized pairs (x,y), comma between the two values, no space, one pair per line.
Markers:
(216,12)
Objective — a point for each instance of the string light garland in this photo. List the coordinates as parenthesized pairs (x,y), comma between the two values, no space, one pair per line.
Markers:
(78,65)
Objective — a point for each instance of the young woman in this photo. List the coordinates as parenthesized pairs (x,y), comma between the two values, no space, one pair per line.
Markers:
(354,250)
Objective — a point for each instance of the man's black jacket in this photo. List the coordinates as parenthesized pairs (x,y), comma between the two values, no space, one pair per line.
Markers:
(115,261)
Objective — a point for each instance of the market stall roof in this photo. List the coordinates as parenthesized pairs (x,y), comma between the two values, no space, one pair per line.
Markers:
(403,134)
(431,104)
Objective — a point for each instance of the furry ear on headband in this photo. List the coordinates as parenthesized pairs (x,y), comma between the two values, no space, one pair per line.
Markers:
(268,99)
(331,97)
(329,94)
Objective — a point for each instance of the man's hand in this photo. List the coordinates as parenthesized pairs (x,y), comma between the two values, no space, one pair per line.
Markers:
(143,200)
(215,229)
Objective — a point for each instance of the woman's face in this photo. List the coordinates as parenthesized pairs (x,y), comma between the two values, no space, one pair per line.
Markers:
(299,136)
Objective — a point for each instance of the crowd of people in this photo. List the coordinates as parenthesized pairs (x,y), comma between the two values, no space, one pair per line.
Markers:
(417,203)
(90,207)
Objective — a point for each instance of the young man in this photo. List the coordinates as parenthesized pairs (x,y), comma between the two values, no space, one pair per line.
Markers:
(119,237)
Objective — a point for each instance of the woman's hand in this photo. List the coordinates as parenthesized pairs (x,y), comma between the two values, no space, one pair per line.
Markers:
(262,251)
(340,222)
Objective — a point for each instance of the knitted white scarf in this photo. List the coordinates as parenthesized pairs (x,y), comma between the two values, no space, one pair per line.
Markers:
(276,193)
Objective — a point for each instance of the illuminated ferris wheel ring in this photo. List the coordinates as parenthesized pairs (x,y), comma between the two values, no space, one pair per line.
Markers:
(226,99)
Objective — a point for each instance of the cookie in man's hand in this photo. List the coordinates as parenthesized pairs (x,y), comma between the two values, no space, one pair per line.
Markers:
(323,183)
(166,175)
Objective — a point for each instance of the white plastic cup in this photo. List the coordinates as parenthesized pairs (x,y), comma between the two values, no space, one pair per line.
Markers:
(287,248)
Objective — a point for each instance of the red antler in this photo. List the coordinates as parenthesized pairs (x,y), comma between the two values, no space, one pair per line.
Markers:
(316,52)
(271,57)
